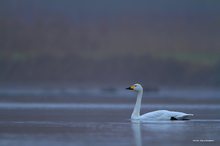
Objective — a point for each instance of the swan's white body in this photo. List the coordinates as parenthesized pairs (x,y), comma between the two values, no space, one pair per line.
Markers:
(164,115)
(155,115)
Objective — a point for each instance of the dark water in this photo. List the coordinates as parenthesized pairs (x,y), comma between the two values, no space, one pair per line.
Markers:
(86,124)
(64,117)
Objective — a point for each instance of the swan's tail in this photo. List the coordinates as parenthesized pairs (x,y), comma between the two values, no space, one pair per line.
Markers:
(184,117)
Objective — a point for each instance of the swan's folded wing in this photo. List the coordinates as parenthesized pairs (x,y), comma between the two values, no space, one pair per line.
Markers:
(157,115)
(165,115)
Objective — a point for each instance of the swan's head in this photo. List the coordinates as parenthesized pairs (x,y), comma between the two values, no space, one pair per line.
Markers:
(135,87)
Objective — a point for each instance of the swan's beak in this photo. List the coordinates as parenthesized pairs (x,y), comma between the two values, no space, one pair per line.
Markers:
(130,88)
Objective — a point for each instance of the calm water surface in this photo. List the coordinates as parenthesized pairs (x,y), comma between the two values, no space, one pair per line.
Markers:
(66,124)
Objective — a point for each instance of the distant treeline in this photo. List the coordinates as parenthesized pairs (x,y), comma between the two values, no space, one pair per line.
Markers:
(109,43)
(72,69)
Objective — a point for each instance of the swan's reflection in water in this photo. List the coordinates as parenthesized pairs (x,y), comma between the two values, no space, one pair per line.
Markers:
(136,128)
(146,132)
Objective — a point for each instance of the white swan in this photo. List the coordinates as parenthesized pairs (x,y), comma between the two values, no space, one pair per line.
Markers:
(155,115)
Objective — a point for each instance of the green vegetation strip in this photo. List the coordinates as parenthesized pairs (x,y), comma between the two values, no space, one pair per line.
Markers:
(195,58)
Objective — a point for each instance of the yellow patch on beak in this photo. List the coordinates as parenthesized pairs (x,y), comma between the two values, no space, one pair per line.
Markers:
(132,87)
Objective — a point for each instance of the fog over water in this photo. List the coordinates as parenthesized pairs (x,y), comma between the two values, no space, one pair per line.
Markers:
(110,42)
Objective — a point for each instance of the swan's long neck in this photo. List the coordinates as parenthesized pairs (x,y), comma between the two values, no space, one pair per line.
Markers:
(137,108)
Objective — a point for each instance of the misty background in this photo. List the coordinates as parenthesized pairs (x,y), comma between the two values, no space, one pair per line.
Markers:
(110,42)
